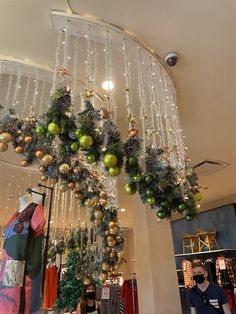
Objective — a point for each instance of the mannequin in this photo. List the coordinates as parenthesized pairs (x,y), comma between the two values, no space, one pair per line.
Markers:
(21,270)
(24,201)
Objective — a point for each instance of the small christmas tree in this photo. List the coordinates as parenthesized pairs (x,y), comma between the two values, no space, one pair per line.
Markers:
(70,288)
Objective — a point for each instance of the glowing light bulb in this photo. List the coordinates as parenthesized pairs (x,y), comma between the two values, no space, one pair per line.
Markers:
(107,85)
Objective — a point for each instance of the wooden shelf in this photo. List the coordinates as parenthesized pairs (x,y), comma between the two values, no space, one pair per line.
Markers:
(205,252)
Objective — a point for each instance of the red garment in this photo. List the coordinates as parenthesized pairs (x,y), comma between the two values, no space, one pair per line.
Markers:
(129,294)
(231,298)
(50,294)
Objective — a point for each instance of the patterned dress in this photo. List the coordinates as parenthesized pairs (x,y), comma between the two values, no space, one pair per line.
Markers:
(21,269)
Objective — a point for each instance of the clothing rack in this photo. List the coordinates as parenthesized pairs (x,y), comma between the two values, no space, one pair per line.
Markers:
(48,227)
(133,280)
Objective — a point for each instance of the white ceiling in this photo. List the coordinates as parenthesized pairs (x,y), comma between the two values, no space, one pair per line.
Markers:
(203,34)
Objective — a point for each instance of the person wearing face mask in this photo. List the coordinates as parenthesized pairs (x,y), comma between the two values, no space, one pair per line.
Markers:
(88,303)
(206,297)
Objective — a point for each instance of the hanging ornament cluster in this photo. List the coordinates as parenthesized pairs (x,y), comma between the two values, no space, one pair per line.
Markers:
(65,144)
(105,219)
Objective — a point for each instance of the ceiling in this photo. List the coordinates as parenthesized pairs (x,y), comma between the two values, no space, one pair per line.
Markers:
(203,36)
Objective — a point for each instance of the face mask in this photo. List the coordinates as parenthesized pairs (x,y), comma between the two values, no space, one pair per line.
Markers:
(90,295)
(199,278)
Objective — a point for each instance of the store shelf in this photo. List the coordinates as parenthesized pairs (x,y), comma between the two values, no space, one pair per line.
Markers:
(205,252)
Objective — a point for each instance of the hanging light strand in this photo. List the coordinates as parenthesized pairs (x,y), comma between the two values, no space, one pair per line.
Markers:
(17,87)
(127,74)
(179,142)
(9,87)
(42,96)
(91,60)
(156,110)
(26,98)
(167,118)
(36,88)
(142,98)
(57,63)
(74,92)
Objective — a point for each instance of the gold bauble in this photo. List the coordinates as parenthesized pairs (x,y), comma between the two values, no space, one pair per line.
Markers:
(39,154)
(102,194)
(71,185)
(98,222)
(28,139)
(78,195)
(63,188)
(24,163)
(109,249)
(78,186)
(47,159)
(44,178)
(115,273)
(110,238)
(103,276)
(89,203)
(112,254)
(109,273)
(103,202)
(64,168)
(98,214)
(3,146)
(114,230)
(117,267)
(19,149)
(42,168)
(111,224)
(5,137)
(54,180)
(111,243)
(105,266)
(106,233)
(121,254)
(87,281)
(77,277)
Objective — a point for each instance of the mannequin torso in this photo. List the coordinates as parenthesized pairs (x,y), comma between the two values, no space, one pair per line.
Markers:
(24,201)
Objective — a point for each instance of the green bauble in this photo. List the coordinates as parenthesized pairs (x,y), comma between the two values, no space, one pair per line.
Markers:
(137,177)
(164,203)
(161,214)
(150,201)
(79,132)
(91,158)
(149,192)
(132,161)
(130,188)
(40,130)
(189,217)
(54,128)
(85,141)
(197,197)
(181,207)
(74,147)
(109,160)
(114,171)
(148,179)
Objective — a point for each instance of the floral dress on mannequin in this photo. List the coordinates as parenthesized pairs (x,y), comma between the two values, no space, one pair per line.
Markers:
(21,270)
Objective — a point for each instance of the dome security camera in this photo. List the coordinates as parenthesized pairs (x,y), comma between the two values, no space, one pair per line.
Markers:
(171,59)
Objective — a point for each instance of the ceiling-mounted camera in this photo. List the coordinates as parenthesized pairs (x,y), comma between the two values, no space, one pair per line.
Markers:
(171,58)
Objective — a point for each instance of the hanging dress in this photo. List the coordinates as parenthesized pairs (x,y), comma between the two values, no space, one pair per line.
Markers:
(21,269)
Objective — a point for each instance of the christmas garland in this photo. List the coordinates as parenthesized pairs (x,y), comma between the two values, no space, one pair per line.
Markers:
(66,145)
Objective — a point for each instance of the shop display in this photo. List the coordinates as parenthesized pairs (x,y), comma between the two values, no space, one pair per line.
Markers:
(21,270)
(129,294)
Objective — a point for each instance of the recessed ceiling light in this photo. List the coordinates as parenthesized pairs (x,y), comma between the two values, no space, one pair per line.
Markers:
(122,209)
(107,85)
